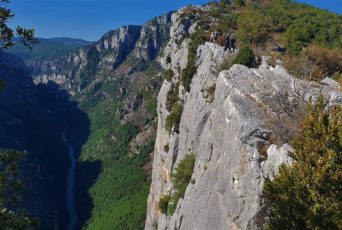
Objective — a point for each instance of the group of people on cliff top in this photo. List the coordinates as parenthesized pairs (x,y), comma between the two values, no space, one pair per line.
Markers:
(228,40)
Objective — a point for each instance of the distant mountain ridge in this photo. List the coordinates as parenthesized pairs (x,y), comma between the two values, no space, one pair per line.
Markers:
(69,41)
(48,48)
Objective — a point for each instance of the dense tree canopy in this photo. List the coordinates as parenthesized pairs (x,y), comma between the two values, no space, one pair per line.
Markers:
(253,27)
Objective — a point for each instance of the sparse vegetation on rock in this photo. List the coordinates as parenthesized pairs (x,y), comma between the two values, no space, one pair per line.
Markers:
(164,203)
(173,119)
(168,74)
(181,179)
(307,194)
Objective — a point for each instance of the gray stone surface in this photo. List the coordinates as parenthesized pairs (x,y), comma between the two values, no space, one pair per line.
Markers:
(227,135)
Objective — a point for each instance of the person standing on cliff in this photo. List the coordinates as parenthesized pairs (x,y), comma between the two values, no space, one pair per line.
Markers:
(226,42)
(213,36)
(231,42)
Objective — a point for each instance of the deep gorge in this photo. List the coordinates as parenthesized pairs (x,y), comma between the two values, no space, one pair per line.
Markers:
(106,125)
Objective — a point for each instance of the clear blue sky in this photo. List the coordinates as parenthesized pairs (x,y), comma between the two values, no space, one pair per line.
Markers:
(90,19)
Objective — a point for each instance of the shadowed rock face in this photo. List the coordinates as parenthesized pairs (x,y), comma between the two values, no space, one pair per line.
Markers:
(227,135)
(31,119)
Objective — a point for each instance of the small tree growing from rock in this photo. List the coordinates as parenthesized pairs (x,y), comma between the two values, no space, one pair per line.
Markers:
(307,194)
(245,57)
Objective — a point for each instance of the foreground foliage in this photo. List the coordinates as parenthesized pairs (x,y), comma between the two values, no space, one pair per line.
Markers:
(7,34)
(308,194)
(10,185)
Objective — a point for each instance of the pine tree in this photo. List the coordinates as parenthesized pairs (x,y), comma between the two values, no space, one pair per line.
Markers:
(12,218)
(308,194)
(6,33)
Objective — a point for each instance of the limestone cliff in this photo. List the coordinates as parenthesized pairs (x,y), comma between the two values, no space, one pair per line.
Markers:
(83,68)
(234,133)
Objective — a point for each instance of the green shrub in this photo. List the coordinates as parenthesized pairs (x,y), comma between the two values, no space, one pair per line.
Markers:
(173,119)
(168,74)
(307,194)
(166,148)
(183,173)
(245,57)
(189,71)
(181,179)
(172,97)
(164,203)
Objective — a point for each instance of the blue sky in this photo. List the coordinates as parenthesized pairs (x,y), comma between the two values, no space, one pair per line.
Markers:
(90,19)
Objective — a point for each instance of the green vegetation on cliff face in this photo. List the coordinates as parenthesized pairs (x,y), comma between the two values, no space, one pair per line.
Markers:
(119,194)
(180,179)
(307,194)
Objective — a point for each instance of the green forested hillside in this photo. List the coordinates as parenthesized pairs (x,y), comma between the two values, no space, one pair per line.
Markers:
(120,191)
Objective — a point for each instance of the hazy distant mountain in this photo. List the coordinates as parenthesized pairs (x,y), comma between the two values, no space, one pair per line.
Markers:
(49,48)
(69,41)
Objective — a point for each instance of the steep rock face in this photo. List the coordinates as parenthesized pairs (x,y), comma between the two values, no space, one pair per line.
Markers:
(79,68)
(227,132)
(83,67)
(152,35)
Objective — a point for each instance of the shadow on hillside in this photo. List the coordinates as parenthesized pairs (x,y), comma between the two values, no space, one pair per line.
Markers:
(87,174)
(32,118)
(76,125)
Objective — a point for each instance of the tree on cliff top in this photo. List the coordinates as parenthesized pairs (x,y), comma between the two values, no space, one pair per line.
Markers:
(6,33)
(308,194)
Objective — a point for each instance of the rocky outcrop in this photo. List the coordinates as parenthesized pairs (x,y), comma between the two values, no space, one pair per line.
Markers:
(233,136)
